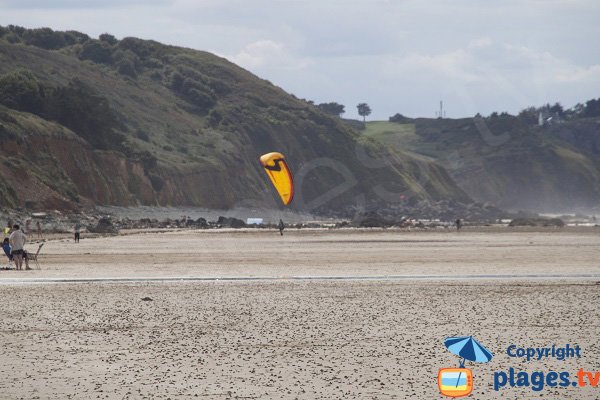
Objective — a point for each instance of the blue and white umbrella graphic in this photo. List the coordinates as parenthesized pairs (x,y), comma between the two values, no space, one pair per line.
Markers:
(469,349)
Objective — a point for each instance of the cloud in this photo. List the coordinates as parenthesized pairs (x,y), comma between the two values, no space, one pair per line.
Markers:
(79,4)
(547,68)
(457,64)
(480,42)
(482,58)
(269,54)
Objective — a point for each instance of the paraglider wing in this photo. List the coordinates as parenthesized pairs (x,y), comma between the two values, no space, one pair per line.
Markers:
(275,166)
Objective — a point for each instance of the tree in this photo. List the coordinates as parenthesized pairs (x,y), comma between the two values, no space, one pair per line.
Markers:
(21,91)
(363,110)
(399,118)
(96,51)
(332,108)
(529,116)
(108,38)
(557,109)
(575,112)
(45,38)
(592,108)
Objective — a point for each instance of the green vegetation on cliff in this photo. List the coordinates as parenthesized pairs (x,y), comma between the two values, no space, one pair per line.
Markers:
(105,121)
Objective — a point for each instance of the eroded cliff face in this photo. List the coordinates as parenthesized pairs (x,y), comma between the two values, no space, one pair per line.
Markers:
(45,166)
(187,128)
(64,172)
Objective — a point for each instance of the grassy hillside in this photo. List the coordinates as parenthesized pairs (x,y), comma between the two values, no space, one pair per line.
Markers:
(130,121)
(505,161)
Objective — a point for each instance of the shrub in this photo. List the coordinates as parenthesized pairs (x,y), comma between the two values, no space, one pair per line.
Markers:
(176,81)
(45,38)
(98,52)
(127,67)
(142,48)
(12,38)
(21,91)
(398,118)
(74,37)
(108,38)
(142,135)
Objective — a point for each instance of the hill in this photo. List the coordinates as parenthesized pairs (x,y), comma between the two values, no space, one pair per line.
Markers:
(508,162)
(88,121)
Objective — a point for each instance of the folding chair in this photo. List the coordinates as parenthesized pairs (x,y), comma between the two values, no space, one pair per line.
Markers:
(10,265)
(34,257)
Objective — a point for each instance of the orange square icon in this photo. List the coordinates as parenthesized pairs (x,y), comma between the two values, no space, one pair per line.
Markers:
(455,382)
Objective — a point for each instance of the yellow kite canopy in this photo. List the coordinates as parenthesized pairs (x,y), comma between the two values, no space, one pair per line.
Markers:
(280,174)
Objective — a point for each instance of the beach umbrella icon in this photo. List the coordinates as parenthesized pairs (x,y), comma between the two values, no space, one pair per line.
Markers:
(468,348)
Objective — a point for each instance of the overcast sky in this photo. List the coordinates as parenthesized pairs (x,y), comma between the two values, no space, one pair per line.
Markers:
(398,56)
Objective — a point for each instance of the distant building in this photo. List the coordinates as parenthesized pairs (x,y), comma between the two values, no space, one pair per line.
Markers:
(546,117)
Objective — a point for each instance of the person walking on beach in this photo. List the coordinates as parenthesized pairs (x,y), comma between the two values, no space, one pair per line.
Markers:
(281,227)
(77,230)
(17,240)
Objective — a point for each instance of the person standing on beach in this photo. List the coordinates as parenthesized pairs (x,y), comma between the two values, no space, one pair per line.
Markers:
(39,229)
(77,230)
(17,240)
(27,226)
(458,224)
(281,227)
(8,229)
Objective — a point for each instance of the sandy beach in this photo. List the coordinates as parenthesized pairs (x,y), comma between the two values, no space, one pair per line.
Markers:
(321,252)
(284,337)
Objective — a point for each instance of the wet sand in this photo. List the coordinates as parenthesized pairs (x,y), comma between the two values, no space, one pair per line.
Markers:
(361,339)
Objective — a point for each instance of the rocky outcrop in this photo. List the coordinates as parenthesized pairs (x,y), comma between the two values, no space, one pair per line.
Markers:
(553,222)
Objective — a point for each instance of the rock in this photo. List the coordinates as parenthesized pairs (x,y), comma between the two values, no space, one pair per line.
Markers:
(201,223)
(231,222)
(147,299)
(370,220)
(104,225)
(556,222)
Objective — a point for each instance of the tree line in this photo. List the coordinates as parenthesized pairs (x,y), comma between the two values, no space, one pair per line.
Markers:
(336,109)
(529,115)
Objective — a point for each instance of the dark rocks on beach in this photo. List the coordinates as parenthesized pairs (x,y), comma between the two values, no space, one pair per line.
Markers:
(230,222)
(104,225)
(555,222)
(443,210)
(201,223)
(371,220)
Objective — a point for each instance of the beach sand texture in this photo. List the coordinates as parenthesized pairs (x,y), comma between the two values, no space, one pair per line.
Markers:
(286,339)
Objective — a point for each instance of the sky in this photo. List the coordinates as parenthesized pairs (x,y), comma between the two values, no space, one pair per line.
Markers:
(399,56)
